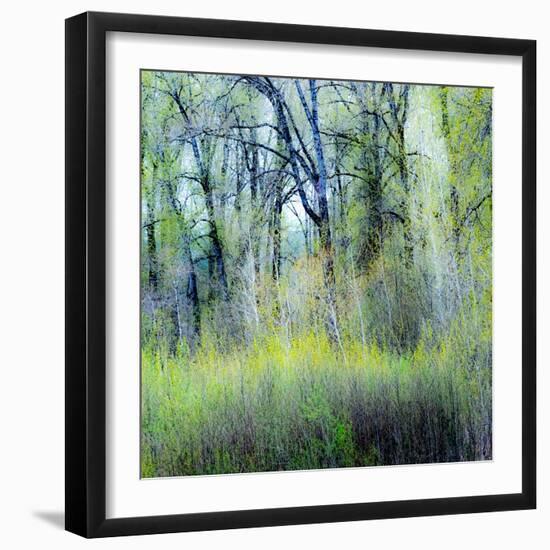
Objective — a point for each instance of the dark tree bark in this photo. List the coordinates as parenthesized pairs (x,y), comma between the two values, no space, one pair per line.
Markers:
(398,108)
(453,191)
(371,166)
(315,171)
(251,152)
(153,268)
(320,178)
(265,87)
(276,227)
(150,229)
(192,292)
(218,262)
(217,248)
(152,254)
(320,182)
(375,229)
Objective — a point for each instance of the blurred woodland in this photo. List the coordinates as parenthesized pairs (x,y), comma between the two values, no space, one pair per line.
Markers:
(316,273)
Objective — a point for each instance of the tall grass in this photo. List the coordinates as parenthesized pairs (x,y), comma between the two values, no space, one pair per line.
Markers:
(301,403)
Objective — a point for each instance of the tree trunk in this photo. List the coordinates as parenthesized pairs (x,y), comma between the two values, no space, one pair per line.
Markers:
(453,191)
(374,197)
(276,230)
(192,292)
(152,249)
(320,186)
(217,248)
(399,111)
(153,267)
(254,208)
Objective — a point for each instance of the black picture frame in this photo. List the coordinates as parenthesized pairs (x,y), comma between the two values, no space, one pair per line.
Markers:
(86,279)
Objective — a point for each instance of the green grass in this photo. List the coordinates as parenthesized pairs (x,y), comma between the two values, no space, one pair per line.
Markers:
(281,404)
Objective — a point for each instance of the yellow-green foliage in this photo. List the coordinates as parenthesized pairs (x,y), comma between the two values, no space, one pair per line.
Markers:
(299,404)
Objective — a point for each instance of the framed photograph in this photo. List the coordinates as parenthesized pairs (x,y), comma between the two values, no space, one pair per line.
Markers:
(300,274)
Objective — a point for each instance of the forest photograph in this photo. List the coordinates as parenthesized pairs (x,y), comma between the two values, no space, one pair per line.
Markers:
(316,273)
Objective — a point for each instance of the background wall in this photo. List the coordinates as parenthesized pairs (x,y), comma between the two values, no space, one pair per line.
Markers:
(31,277)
